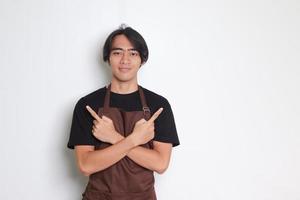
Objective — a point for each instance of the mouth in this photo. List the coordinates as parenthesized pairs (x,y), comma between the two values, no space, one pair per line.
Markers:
(124,69)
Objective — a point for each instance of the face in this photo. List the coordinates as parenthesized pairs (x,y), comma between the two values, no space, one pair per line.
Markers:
(124,60)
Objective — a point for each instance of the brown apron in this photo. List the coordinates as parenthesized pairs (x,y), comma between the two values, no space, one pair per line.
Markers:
(125,180)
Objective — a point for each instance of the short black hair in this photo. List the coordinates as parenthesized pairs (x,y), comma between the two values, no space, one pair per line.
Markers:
(133,36)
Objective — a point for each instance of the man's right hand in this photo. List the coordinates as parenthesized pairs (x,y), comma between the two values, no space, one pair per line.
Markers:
(103,128)
(143,130)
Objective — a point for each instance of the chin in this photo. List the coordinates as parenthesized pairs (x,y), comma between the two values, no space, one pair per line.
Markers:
(123,79)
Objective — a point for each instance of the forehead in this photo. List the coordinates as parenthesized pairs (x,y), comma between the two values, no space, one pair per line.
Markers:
(121,41)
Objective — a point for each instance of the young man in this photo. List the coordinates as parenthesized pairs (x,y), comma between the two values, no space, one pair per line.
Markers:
(123,132)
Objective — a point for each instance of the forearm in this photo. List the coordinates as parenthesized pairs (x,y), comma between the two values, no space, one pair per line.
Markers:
(148,158)
(98,160)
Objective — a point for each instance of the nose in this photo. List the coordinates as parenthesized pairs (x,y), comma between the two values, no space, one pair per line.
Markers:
(125,58)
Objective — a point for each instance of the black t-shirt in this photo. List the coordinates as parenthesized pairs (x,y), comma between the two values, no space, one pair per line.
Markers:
(81,129)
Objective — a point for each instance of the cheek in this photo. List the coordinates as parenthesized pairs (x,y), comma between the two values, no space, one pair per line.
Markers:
(113,62)
(138,62)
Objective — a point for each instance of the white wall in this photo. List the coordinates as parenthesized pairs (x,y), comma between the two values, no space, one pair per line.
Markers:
(230,70)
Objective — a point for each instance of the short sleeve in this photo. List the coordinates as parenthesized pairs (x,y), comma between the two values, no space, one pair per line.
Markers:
(165,127)
(81,128)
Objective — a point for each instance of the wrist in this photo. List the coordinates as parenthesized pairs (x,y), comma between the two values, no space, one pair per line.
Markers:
(132,140)
(118,137)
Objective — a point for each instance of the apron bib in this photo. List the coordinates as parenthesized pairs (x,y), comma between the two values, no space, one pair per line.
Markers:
(125,180)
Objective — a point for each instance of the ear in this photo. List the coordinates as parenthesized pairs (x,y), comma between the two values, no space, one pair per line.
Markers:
(142,64)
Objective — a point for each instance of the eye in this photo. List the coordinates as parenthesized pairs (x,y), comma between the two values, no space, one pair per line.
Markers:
(134,53)
(116,53)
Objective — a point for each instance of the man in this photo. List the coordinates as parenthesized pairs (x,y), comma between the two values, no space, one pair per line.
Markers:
(123,132)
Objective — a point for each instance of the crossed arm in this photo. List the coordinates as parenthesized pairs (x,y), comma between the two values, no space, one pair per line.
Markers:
(90,160)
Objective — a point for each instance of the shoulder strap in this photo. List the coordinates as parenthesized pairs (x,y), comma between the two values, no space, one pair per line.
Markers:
(106,99)
(146,109)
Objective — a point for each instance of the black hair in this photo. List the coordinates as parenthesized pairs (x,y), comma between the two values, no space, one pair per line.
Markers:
(133,36)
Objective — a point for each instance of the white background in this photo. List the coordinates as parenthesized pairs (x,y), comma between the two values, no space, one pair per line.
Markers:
(230,70)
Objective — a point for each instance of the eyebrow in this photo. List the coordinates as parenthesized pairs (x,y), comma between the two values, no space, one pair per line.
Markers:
(117,48)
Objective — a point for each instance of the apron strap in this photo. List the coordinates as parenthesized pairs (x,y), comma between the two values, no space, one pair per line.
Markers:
(146,109)
(106,99)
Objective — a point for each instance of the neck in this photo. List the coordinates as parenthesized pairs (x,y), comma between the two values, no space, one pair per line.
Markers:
(123,87)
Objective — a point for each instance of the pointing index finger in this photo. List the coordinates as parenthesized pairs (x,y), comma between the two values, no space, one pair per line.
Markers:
(93,113)
(155,115)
